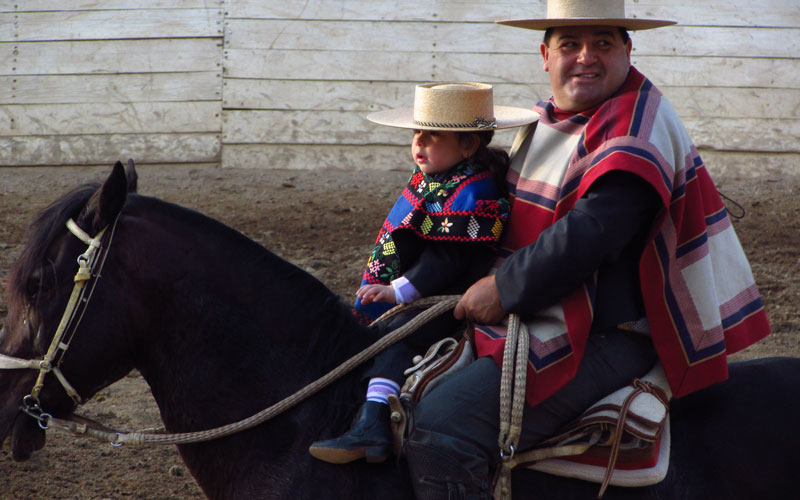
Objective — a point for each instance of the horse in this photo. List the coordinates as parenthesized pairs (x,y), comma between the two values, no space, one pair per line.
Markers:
(221,328)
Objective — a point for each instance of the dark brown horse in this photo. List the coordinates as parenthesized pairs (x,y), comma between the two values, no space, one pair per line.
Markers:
(221,328)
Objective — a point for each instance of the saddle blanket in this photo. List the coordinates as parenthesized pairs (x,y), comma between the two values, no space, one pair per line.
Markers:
(626,476)
(643,457)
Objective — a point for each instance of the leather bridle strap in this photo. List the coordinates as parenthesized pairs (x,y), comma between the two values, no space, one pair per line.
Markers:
(11,363)
(85,279)
(89,265)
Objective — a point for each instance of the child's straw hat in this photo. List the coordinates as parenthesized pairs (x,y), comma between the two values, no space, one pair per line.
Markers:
(586,13)
(456,107)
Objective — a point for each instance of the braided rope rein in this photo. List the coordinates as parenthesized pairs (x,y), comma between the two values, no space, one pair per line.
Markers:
(438,305)
(513,379)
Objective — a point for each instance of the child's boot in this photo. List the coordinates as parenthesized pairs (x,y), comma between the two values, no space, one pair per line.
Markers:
(370,437)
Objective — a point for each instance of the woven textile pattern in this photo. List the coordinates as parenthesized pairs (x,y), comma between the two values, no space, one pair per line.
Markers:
(699,293)
(461,205)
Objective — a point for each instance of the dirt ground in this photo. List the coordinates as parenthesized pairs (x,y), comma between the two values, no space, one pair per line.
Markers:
(325,222)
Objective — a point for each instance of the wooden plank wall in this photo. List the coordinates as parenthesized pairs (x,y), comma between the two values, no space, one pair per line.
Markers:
(301,74)
(286,84)
(86,82)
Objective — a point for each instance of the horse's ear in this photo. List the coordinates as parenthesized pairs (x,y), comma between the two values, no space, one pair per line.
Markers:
(106,202)
(131,176)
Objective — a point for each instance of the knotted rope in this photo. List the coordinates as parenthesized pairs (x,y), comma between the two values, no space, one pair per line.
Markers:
(85,427)
(512,400)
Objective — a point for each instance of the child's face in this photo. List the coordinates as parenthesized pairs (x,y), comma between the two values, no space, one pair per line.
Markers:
(436,151)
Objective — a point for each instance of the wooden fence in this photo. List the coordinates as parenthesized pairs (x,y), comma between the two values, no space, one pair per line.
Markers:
(286,84)
(90,81)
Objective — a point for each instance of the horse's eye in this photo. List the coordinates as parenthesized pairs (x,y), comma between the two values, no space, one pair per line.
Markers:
(34,285)
(40,281)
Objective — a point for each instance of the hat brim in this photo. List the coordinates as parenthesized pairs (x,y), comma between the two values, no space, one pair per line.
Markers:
(505,117)
(630,24)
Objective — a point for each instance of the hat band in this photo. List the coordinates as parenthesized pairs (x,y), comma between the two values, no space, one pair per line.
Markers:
(479,122)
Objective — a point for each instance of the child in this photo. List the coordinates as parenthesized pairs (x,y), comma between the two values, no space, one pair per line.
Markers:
(440,237)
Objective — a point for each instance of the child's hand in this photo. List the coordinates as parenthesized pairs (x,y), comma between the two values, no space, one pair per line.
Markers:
(376,293)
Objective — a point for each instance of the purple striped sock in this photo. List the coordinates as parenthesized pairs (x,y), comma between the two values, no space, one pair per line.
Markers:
(379,390)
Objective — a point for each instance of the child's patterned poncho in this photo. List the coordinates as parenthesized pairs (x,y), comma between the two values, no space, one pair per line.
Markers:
(460,205)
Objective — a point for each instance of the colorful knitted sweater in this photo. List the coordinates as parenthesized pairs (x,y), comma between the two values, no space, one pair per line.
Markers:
(461,205)
(699,293)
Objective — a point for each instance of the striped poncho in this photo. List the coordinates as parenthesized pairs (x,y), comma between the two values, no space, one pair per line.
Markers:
(699,293)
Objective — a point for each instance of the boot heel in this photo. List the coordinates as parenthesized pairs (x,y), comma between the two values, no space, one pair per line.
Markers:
(377,454)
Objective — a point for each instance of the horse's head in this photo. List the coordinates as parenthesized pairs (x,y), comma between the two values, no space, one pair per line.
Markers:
(41,287)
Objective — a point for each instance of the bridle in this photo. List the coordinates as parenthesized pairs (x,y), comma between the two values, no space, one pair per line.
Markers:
(90,265)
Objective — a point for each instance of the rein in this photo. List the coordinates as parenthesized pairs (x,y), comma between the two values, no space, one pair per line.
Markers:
(513,380)
(90,265)
(440,304)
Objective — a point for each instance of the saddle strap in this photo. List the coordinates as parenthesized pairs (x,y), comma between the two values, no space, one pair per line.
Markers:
(640,387)
(445,358)
(537,454)
(399,421)
(442,360)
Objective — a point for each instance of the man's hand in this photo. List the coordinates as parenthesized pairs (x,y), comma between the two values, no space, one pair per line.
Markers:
(376,293)
(481,303)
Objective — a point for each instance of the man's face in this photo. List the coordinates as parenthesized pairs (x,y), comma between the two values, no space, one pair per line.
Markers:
(587,64)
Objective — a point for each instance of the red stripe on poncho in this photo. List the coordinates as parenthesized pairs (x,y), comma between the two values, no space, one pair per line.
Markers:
(699,294)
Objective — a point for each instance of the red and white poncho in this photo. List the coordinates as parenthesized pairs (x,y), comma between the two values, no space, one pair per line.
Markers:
(699,293)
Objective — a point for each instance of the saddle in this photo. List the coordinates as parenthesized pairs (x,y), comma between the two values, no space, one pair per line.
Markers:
(441,361)
(621,440)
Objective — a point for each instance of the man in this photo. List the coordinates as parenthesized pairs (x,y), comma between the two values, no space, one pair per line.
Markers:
(618,253)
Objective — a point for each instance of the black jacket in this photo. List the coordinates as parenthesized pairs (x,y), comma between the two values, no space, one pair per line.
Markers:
(604,232)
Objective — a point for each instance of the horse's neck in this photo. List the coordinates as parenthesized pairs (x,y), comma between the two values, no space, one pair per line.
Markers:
(240,329)
(241,364)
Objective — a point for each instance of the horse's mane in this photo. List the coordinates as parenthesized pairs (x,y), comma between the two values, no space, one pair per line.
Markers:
(48,225)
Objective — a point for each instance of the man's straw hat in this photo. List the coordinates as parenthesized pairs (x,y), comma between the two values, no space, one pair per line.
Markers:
(586,13)
(456,107)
